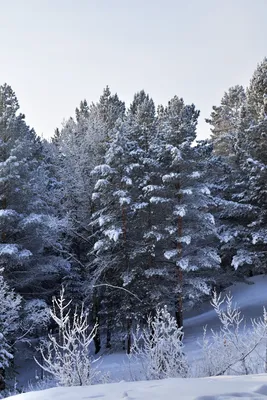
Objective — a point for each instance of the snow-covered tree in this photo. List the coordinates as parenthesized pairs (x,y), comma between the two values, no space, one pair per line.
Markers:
(257,93)
(79,147)
(186,228)
(225,121)
(112,198)
(10,305)
(67,357)
(230,184)
(159,347)
(28,226)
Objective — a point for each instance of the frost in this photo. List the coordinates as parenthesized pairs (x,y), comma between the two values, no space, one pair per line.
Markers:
(120,193)
(187,191)
(101,221)
(214,256)
(170,229)
(127,181)
(98,245)
(113,233)
(175,152)
(241,258)
(25,254)
(139,206)
(170,177)
(37,314)
(225,237)
(8,249)
(8,213)
(32,219)
(185,239)
(152,188)
(103,169)
(101,183)
(132,166)
(196,174)
(155,272)
(205,190)
(170,254)
(95,196)
(183,263)
(180,210)
(157,200)
(259,237)
(200,285)
(125,200)
(158,236)
(209,217)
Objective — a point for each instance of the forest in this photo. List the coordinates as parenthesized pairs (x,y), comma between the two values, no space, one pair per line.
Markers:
(128,211)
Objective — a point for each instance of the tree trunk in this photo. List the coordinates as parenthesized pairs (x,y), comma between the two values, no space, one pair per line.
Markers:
(108,342)
(97,340)
(179,303)
(129,336)
(4,207)
(2,379)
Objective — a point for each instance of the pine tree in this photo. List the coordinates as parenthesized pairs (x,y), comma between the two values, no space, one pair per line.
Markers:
(186,230)
(9,326)
(27,227)
(225,121)
(240,189)
(112,197)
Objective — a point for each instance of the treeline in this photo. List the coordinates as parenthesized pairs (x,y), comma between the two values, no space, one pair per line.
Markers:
(128,211)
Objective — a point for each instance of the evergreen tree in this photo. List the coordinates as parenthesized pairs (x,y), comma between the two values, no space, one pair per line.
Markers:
(186,229)
(27,227)
(225,121)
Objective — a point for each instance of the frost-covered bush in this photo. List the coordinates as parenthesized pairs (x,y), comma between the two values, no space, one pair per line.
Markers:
(66,356)
(235,347)
(159,348)
(36,316)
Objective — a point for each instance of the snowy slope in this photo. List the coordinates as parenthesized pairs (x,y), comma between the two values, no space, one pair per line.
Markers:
(220,388)
(251,299)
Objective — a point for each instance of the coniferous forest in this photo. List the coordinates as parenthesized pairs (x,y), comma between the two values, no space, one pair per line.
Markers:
(128,211)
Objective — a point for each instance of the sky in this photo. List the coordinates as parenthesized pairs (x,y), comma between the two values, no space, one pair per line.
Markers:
(55,53)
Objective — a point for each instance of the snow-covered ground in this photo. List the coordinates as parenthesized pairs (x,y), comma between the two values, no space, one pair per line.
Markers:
(220,388)
(251,299)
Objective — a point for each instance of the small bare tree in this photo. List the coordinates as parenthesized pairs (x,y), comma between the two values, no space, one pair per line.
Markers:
(67,357)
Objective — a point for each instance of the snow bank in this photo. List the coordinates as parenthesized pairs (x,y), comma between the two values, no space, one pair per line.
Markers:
(220,388)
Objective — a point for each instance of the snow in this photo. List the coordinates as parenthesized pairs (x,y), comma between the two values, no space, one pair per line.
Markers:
(113,233)
(180,210)
(242,257)
(219,388)
(196,174)
(157,200)
(170,254)
(205,190)
(124,200)
(139,206)
(170,177)
(12,250)
(250,298)
(8,213)
(102,169)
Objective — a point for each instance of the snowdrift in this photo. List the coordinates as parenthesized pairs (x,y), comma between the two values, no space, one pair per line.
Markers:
(219,388)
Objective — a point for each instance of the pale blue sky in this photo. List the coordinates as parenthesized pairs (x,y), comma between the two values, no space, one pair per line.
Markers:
(55,53)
